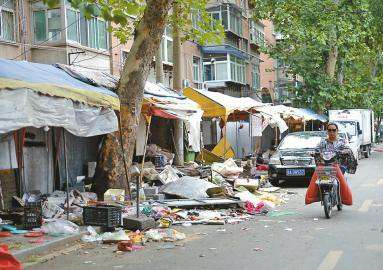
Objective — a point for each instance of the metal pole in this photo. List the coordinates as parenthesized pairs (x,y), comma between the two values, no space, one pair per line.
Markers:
(47,156)
(66,176)
(138,183)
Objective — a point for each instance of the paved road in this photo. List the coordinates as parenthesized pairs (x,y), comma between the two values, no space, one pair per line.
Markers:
(352,239)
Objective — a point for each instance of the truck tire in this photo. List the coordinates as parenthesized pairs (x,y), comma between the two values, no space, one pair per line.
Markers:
(367,152)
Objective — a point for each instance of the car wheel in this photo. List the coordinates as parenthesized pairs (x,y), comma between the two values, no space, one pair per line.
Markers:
(274,182)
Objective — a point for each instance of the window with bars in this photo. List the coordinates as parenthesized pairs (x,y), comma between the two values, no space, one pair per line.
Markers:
(7,20)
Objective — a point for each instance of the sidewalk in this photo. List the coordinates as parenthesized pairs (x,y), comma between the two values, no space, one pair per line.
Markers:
(23,248)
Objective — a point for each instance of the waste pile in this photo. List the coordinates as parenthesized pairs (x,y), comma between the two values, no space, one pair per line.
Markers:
(220,193)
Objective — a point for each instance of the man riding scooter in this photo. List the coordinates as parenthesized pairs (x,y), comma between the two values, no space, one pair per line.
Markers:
(335,144)
(338,159)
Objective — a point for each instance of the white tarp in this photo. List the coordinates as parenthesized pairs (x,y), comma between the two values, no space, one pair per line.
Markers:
(24,108)
(231,103)
(7,152)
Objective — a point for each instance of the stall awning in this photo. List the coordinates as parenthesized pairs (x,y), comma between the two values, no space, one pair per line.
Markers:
(295,113)
(52,81)
(164,102)
(216,104)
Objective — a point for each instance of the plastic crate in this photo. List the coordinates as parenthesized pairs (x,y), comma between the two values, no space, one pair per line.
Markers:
(33,215)
(107,216)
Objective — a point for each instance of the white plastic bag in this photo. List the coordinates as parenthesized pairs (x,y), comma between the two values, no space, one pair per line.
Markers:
(59,226)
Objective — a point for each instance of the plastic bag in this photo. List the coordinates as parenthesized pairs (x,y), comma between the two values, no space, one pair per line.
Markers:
(7,261)
(91,236)
(60,226)
(115,236)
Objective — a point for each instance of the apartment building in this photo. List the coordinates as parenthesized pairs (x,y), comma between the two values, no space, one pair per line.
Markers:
(29,30)
(232,67)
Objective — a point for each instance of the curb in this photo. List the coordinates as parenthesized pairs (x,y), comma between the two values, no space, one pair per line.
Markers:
(22,255)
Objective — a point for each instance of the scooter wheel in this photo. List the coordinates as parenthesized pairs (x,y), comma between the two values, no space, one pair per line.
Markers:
(327,205)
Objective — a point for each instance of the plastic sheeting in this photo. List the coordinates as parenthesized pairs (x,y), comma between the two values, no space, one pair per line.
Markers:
(24,108)
(52,81)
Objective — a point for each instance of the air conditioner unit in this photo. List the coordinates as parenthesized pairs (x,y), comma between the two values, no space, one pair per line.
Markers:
(185,83)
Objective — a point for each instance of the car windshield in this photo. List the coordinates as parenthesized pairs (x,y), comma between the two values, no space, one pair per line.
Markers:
(301,141)
(347,126)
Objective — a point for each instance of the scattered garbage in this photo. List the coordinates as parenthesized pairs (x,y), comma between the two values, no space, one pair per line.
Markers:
(167,235)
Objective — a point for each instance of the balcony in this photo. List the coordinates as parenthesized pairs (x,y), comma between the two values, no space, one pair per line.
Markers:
(224,64)
(257,34)
(230,16)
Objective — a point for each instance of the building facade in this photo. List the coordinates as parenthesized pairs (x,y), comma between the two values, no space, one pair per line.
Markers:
(29,30)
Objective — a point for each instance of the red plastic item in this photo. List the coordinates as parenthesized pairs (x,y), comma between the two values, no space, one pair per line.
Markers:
(34,234)
(345,191)
(7,261)
(262,167)
(5,234)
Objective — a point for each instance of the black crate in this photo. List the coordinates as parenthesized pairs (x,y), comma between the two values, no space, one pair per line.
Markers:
(107,216)
(33,215)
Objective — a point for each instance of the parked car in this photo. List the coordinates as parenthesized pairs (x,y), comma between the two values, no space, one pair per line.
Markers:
(292,158)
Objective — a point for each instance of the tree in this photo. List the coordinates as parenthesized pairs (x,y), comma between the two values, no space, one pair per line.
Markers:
(146,20)
(321,40)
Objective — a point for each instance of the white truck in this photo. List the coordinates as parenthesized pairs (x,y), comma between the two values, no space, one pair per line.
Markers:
(359,124)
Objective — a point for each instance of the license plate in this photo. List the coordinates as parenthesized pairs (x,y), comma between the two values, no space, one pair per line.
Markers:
(295,172)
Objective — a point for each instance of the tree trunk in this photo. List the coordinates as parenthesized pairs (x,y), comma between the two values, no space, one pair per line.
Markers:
(331,60)
(148,35)
(333,53)
(159,69)
(177,84)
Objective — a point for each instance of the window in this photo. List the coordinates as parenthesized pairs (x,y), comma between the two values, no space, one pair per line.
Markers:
(257,35)
(230,17)
(47,24)
(216,70)
(237,69)
(167,46)
(91,33)
(196,69)
(7,20)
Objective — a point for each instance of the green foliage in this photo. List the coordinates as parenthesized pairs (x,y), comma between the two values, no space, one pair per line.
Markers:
(309,29)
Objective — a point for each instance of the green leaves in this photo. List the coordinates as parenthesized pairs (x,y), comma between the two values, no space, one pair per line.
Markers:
(310,29)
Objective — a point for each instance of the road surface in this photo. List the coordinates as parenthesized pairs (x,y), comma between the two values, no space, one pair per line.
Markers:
(351,239)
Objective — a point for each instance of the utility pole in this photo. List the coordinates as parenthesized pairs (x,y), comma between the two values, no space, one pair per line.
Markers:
(177,84)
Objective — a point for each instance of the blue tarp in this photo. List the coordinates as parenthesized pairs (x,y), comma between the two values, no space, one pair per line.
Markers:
(47,74)
(226,49)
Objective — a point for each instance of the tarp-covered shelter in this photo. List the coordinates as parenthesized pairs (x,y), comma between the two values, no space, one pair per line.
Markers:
(38,102)
(218,105)
(159,101)
(38,95)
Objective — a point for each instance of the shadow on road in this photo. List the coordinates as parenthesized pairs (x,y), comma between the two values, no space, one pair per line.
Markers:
(294,184)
